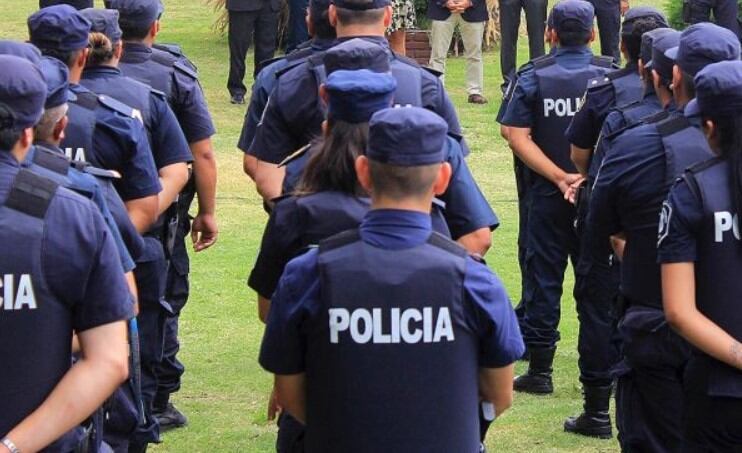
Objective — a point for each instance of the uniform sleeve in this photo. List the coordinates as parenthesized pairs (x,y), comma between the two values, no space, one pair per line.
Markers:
(283,350)
(127,263)
(520,110)
(139,177)
(191,109)
(280,243)
(274,137)
(506,97)
(603,212)
(83,267)
(168,142)
(585,127)
(129,234)
(467,210)
(260,92)
(680,221)
(500,340)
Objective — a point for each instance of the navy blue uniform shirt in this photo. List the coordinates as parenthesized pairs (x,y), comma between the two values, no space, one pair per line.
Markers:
(119,143)
(168,143)
(176,77)
(294,112)
(263,87)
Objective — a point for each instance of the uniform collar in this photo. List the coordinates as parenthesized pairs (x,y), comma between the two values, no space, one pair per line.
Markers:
(379,40)
(322,44)
(395,229)
(136,52)
(100,72)
(6,158)
(579,50)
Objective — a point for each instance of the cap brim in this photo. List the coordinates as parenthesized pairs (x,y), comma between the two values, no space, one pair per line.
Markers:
(692,109)
(672,53)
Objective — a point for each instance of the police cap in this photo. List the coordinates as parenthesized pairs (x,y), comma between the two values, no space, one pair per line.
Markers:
(406,137)
(703,44)
(59,27)
(56,76)
(105,21)
(647,40)
(356,95)
(661,62)
(641,12)
(136,13)
(22,89)
(360,5)
(573,15)
(356,54)
(77,4)
(20,49)
(718,90)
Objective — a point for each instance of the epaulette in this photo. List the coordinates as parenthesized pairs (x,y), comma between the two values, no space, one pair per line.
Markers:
(185,69)
(602,61)
(598,82)
(455,136)
(620,73)
(157,93)
(95,171)
(295,155)
(116,106)
(543,62)
(175,51)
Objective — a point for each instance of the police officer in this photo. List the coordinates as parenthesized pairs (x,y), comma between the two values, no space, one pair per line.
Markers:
(554,86)
(427,329)
(100,131)
(726,13)
(699,252)
(165,68)
(608,15)
(596,275)
(294,114)
(77,4)
(61,273)
(634,179)
(323,37)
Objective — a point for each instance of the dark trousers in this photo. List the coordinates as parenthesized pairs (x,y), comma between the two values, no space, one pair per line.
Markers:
(522,183)
(551,242)
(509,25)
(290,437)
(297,24)
(244,28)
(725,13)
(608,14)
(649,397)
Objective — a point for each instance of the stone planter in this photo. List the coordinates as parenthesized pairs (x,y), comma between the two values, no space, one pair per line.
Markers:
(418,46)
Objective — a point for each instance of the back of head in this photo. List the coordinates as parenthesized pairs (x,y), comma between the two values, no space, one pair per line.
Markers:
(105,35)
(136,16)
(57,94)
(405,150)
(360,12)
(77,4)
(638,21)
(573,22)
(23,92)
(660,62)
(320,19)
(59,31)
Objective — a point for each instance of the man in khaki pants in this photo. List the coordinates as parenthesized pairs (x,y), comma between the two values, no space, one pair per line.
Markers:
(471,17)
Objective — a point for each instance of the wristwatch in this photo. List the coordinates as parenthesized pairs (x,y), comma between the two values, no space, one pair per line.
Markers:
(10,445)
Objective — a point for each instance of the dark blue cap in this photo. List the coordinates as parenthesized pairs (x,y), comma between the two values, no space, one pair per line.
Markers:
(21,49)
(573,15)
(22,89)
(59,27)
(718,90)
(406,137)
(356,95)
(647,41)
(77,4)
(136,13)
(661,62)
(56,76)
(360,5)
(641,12)
(703,44)
(356,54)
(104,21)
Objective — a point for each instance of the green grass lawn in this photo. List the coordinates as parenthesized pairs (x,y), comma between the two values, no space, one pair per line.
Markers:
(224,389)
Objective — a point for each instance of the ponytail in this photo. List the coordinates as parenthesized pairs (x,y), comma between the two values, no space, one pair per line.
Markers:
(101,49)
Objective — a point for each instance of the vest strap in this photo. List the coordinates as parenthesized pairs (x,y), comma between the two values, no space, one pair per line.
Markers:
(673,125)
(544,62)
(87,100)
(31,194)
(339,240)
(440,241)
(51,161)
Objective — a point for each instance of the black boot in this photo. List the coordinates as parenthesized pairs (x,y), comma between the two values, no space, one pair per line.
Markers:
(595,421)
(538,378)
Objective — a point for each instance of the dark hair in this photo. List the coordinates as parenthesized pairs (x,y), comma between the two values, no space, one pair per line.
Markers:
(332,165)
(729,131)
(9,135)
(688,85)
(400,183)
(633,41)
(134,32)
(362,17)
(101,49)
(67,57)
(321,23)
(572,33)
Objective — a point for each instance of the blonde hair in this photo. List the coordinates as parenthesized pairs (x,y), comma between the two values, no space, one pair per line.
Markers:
(101,49)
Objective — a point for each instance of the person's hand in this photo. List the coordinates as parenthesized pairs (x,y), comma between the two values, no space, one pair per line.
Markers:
(204,232)
(462,6)
(571,194)
(624,6)
(452,5)
(568,180)
(273,407)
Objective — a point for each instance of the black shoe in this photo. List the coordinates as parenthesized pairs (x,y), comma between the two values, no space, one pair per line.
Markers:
(477,99)
(595,420)
(170,418)
(238,99)
(538,378)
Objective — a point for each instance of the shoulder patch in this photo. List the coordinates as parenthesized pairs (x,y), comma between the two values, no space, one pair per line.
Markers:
(116,106)
(185,69)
